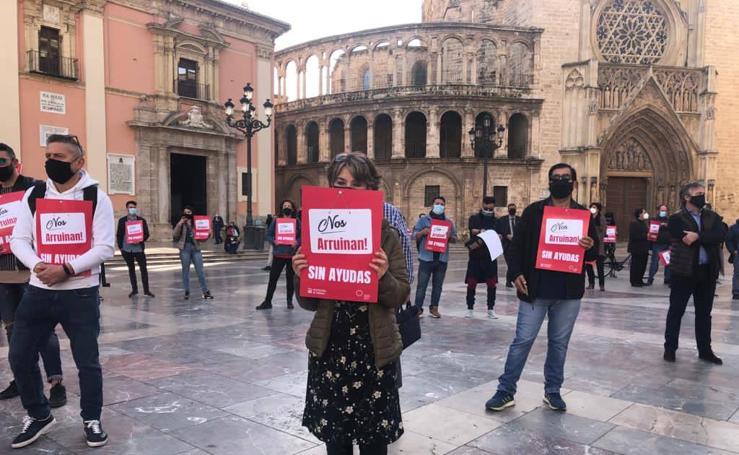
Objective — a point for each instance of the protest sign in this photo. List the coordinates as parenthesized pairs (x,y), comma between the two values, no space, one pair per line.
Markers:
(10,203)
(611,232)
(438,238)
(561,231)
(341,232)
(664,257)
(286,231)
(134,232)
(63,230)
(202,227)
(653,230)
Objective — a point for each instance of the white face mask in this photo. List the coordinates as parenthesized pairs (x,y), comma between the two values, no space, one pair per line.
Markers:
(645,216)
(593,210)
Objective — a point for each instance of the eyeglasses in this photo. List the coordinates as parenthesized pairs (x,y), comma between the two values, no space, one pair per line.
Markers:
(560,178)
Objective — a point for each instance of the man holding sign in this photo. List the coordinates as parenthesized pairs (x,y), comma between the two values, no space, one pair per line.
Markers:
(131,236)
(434,231)
(14,275)
(547,254)
(63,234)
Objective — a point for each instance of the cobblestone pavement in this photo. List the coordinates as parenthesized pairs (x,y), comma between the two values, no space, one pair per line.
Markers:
(218,377)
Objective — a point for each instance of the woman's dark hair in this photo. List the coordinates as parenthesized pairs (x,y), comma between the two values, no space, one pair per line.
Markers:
(363,170)
(610,217)
(637,213)
(292,204)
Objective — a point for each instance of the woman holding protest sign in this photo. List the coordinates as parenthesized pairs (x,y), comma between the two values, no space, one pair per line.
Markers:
(638,247)
(283,234)
(352,395)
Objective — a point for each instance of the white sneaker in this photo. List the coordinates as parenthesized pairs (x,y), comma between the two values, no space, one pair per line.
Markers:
(492,315)
(470,314)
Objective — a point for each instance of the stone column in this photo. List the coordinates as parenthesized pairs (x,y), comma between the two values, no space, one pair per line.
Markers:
(432,134)
(302,152)
(371,140)
(93,49)
(468,122)
(347,136)
(324,146)
(398,134)
(502,119)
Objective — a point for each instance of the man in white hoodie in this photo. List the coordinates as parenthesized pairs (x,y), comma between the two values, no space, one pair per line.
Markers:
(75,238)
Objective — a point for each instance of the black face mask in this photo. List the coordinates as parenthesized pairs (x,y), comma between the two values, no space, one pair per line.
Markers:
(189,216)
(6,172)
(59,171)
(512,212)
(287,212)
(560,189)
(698,201)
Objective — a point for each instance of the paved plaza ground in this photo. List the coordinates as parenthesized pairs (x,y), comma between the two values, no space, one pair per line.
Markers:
(218,377)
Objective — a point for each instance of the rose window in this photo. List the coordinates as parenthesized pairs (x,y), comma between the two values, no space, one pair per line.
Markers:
(632,31)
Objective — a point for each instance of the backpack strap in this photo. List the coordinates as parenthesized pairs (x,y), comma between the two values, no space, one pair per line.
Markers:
(39,191)
(90,193)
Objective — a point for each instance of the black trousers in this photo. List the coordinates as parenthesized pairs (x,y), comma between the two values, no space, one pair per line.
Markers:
(509,278)
(638,267)
(141,259)
(702,287)
(274,274)
(601,272)
(374,449)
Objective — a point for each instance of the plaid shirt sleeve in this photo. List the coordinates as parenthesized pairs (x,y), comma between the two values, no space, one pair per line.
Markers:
(395,218)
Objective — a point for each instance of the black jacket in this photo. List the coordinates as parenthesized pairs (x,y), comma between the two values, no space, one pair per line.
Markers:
(121,232)
(638,243)
(683,258)
(525,245)
(504,228)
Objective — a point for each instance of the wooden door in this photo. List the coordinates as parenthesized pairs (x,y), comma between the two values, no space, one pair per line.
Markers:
(624,195)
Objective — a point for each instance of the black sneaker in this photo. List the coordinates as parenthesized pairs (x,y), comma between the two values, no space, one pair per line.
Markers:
(187,295)
(149,294)
(32,430)
(207,295)
(669,356)
(500,401)
(94,434)
(57,396)
(290,305)
(267,268)
(11,391)
(133,293)
(265,306)
(710,357)
(555,402)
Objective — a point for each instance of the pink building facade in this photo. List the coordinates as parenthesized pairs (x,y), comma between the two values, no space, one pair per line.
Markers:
(142,84)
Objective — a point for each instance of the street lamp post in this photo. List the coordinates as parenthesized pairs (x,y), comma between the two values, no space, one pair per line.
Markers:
(249,125)
(489,139)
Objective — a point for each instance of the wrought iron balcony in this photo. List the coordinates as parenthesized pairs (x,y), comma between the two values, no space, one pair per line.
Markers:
(62,67)
(188,88)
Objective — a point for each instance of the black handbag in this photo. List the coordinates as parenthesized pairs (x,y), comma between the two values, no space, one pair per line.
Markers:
(408,324)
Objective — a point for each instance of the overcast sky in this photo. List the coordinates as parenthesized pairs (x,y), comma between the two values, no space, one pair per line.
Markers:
(312,19)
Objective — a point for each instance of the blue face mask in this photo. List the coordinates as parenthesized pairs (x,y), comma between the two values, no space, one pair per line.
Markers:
(662,214)
(438,209)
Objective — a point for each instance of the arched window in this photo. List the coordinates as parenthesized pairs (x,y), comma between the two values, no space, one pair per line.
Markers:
(415,135)
(419,73)
(519,65)
(383,139)
(518,136)
(452,61)
(366,79)
(358,127)
(487,63)
(312,75)
(291,138)
(450,142)
(336,136)
(312,142)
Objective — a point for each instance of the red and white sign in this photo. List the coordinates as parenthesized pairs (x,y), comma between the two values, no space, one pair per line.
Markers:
(611,232)
(10,203)
(286,231)
(134,232)
(341,233)
(653,231)
(664,257)
(202,227)
(63,230)
(438,239)
(561,231)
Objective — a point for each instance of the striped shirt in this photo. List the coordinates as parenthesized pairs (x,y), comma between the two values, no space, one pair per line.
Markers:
(396,220)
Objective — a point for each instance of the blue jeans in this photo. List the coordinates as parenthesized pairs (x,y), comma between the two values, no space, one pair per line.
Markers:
(654,265)
(434,271)
(78,312)
(10,298)
(735,280)
(562,315)
(189,254)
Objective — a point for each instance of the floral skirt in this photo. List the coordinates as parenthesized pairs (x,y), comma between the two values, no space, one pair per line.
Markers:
(348,399)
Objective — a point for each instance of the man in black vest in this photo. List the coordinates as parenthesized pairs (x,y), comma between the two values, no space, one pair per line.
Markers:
(135,251)
(507,228)
(696,236)
(14,278)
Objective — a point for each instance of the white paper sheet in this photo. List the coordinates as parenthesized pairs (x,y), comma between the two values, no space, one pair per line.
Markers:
(492,240)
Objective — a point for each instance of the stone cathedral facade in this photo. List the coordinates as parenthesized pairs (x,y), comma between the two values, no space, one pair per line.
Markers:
(639,95)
